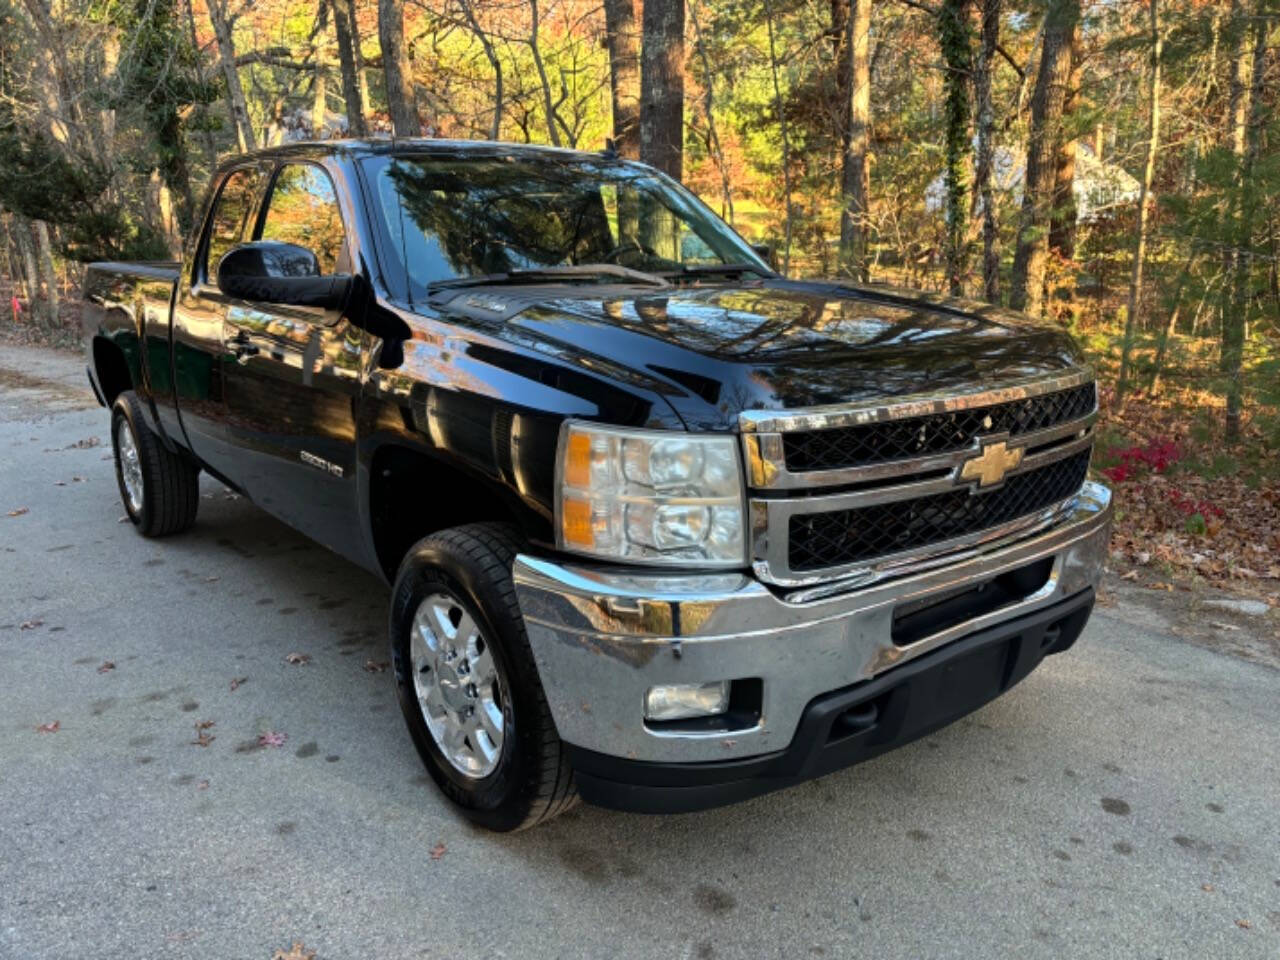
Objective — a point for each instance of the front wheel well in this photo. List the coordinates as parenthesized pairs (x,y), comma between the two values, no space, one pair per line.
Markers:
(413,495)
(112,369)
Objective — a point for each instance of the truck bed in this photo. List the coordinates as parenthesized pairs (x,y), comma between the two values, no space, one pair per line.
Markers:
(137,269)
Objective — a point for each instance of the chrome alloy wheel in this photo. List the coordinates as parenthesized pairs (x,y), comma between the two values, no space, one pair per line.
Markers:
(130,465)
(459,690)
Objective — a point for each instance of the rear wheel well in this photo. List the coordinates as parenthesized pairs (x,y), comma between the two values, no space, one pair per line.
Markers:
(111,368)
(412,495)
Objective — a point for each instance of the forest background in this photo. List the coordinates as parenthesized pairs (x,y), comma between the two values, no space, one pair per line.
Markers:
(1107,165)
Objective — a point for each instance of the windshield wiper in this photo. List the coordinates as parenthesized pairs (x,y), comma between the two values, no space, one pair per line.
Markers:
(716,270)
(578,271)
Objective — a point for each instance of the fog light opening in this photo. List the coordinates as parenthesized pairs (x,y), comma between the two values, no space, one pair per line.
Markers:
(684,701)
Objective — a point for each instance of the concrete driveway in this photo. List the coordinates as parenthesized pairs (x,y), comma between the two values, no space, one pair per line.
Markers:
(1123,802)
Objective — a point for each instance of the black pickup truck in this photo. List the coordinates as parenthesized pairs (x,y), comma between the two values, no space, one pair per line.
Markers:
(665,529)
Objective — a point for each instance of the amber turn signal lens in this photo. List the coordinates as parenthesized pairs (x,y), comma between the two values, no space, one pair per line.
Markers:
(575,521)
(577,461)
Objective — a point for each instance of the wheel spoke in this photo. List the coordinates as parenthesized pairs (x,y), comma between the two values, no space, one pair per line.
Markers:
(424,634)
(490,721)
(482,671)
(430,697)
(455,739)
(441,622)
(466,632)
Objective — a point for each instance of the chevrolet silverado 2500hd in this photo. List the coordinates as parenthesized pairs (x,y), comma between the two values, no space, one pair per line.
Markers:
(664,529)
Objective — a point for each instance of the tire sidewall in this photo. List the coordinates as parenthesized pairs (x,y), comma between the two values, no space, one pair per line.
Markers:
(123,410)
(501,799)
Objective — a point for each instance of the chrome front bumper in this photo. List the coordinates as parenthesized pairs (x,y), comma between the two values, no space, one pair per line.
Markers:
(603,637)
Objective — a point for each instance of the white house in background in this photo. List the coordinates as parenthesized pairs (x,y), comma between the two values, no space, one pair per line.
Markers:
(1099,186)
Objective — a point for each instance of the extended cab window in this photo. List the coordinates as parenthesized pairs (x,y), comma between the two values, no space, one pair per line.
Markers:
(303,210)
(230,216)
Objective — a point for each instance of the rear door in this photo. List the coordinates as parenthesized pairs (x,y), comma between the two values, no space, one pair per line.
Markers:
(293,374)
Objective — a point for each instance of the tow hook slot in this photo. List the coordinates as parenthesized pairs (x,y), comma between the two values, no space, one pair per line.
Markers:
(860,718)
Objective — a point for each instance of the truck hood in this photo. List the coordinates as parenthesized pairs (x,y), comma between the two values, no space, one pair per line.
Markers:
(715,351)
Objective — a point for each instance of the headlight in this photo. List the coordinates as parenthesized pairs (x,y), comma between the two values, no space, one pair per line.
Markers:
(650,496)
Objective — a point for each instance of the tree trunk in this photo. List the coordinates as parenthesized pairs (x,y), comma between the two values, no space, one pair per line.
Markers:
(48,275)
(786,141)
(953,34)
(401,102)
(547,107)
(1236,326)
(202,109)
(319,102)
(1171,325)
(1062,218)
(31,280)
(352,92)
(983,192)
(662,87)
(708,104)
(235,92)
(320,79)
(1241,89)
(855,171)
(468,10)
(1148,175)
(1027,282)
(624,75)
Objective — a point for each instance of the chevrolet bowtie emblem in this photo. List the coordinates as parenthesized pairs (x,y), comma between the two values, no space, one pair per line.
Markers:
(991,464)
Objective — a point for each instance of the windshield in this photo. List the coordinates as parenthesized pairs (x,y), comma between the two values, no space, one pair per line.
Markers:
(445,218)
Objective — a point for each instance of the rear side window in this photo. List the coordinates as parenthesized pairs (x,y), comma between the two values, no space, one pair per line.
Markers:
(303,210)
(231,216)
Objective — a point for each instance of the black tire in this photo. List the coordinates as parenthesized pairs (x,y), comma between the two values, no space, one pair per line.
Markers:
(170,482)
(532,781)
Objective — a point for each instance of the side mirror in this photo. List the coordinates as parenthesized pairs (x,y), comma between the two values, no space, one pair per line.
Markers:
(765,252)
(280,273)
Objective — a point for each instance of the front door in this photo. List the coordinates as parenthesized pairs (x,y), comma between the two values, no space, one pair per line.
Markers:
(293,375)
(199,309)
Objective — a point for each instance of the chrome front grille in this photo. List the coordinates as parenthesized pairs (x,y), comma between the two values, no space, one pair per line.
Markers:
(866,491)
(934,433)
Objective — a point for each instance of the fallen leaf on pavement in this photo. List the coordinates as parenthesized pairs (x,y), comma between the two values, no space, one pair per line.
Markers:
(203,739)
(49,727)
(1244,924)
(238,682)
(106,667)
(298,659)
(296,952)
(376,666)
(30,624)
(1131,575)
(1207,887)
(19,512)
(438,851)
(272,739)
(202,785)
(84,444)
